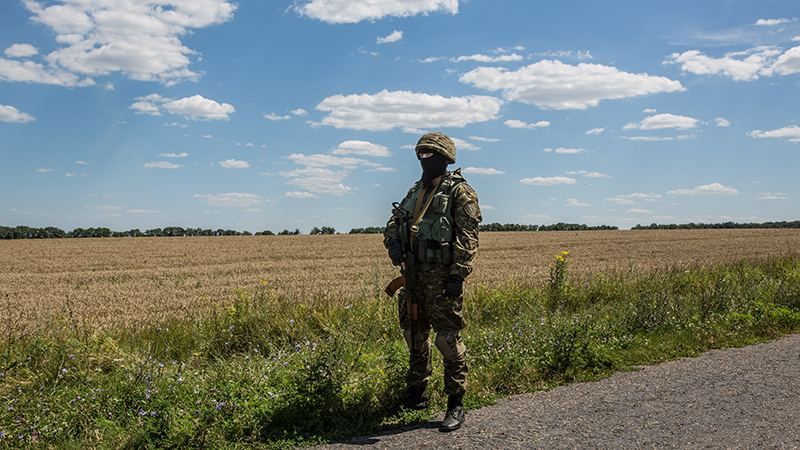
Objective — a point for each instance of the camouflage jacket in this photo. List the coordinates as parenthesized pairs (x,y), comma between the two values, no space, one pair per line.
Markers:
(467,216)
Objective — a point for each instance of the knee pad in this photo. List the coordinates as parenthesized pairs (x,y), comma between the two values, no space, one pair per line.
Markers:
(450,345)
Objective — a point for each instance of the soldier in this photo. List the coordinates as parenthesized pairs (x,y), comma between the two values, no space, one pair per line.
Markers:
(436,225)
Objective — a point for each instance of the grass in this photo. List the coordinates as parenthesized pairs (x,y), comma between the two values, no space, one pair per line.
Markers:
(269,372)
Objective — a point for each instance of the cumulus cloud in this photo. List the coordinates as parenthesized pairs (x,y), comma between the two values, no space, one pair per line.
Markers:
(575,203)
(33,72)
(552,84)
(632,198)
(722,122)
(21,51)
(773,196)
(234,164)
(464,145)
(410,111)
(747,65)
(706,189)
(565,151)
(482,171)
(514,123)
(681,137)
(231,199)
(484,139)
(639,211)
(354,11)
(390,38)
(363,148)
(299,112)
(174,155)
(772,22)
(595,131)
(325,173)
(580,55)
(588,174)
(162,165)
(138,39)
(663,121)
(792,133)
(299,194)
(547,181)
(481,58)
(11,114)
(44,170)
(272,117)
(195,107)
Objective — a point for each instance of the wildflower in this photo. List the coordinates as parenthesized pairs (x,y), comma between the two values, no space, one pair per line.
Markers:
(219,406)
(564,253)
(264,282)
(291,321)
(142,412)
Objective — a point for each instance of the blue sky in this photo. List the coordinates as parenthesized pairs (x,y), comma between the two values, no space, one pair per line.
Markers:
(292,114)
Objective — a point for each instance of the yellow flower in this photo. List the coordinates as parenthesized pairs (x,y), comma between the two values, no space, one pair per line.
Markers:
(565,253)
(559,258)
(264,282)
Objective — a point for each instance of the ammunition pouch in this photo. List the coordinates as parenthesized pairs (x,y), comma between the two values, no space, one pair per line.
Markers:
(434,252)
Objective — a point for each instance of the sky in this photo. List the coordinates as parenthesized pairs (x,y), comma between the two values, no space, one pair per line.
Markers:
(282,114)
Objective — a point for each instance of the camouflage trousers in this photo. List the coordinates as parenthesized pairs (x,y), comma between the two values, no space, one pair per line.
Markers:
(444,314)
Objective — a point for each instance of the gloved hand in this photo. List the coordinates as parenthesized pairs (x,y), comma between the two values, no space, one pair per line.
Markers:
(454,286)
(396,252)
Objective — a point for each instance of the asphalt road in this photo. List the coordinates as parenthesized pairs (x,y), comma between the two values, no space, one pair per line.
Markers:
(736,398)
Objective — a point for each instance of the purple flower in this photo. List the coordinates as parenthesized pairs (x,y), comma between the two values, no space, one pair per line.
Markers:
(220,405)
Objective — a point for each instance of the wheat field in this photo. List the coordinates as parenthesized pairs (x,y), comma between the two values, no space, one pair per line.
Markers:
(123,282)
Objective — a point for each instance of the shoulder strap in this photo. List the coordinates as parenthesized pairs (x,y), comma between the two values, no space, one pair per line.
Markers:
(420,209)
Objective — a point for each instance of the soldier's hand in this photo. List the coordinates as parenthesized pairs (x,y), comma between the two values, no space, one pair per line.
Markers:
(454,286)
(396,252)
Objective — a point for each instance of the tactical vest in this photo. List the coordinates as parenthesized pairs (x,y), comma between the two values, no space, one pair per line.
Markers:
(435,235)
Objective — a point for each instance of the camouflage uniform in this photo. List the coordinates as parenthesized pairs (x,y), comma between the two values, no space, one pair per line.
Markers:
(435,308)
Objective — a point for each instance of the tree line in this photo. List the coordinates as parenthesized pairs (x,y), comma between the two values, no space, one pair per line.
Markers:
(724,225)
(561,226)
(25,232)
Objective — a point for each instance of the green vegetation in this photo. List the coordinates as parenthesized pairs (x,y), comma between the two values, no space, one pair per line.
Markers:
(270,372)
(724,225)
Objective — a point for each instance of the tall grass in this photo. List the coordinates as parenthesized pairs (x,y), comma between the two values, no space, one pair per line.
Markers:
(268,372)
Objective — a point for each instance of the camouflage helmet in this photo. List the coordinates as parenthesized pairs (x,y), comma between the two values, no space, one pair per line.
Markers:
(438,143)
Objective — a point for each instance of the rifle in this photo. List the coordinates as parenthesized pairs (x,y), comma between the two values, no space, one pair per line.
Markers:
(408,269)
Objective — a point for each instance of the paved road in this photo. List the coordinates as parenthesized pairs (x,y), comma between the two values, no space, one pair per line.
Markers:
(737,398)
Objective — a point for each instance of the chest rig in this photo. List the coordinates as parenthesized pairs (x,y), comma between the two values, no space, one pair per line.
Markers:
(430,235)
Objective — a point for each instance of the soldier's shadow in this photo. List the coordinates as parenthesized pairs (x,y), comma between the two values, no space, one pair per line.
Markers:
(376,437)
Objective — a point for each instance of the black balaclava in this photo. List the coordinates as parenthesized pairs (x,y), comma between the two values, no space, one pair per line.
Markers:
(432,167)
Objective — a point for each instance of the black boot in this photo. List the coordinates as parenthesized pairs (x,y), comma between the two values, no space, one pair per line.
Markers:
(455,414)
(417,397)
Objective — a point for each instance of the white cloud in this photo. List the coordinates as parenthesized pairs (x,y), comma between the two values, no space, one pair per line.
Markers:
(792,133)
(464,145)
(232,199)
(11,114)
(663,121)
(639,211)
(141,211)
(485,207)
(299,112)
(565,151)
(272,117)
(632,198)
(21,51)
(722,122)
(482,171)
(595,131)
(43,170)
(363,148)
(390,38)
(575,203)
(299,194)
(234,164)
(33,72)
(554,85)
(547,181)
(410,111)
(174,155)
(195,107)
(514,123)
(488,58)
(138,39)
(773,196)
(82,163)
(325,173)
(796,39)
(588,174)
(431,59)
(162,165)
(484,139)
(706,189)
(580,55)
(681,137)
(745,65)
(650,111)
(354,11)
(772,22)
